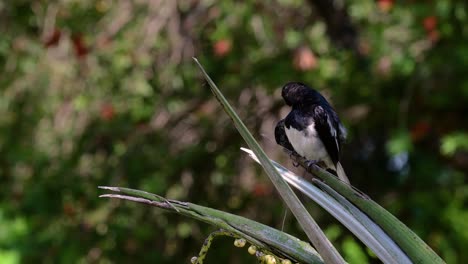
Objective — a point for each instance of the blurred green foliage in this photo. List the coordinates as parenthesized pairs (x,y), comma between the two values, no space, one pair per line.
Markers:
(105,93)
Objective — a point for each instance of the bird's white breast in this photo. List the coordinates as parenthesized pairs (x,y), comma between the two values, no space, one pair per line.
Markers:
(307,143)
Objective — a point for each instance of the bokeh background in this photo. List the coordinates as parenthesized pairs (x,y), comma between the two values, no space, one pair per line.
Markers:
(105,93)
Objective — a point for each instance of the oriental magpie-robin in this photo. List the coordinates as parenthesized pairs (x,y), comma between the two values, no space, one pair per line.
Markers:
(312,129)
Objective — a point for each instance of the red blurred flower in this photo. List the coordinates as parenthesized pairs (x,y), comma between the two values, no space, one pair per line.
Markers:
(304,59)
(419,130)
(53,38)
(222,47)
(261,190)
(69,209)
(79,45)
(107,112)
(430,23)
(385,5)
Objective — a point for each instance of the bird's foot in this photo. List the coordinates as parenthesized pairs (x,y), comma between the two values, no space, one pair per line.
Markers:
(310,163)
(293,155)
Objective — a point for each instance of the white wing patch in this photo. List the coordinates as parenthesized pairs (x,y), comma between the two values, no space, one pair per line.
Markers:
(333,132)
(331,126)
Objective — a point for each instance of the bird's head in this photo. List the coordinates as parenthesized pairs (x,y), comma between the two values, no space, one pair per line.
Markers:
(296,94)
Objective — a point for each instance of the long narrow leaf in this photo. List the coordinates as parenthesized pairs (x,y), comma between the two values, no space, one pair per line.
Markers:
(416,249)
(398,255)
(308,224)
(260,235)
(371,235)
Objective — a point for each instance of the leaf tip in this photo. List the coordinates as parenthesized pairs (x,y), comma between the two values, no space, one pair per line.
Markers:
(197,62)
(114,189)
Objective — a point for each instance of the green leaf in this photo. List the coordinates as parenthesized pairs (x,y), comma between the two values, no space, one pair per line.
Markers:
(260,235)
(400,142)
(453,142)
(346,213)
(354,252)
(409,242)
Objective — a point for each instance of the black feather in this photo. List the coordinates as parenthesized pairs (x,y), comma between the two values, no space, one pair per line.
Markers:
(280,136)
(323,120)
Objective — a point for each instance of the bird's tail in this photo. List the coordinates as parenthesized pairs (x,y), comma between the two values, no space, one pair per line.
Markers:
(341,173)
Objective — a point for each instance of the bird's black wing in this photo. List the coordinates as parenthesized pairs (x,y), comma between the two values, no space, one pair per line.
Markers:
(327,127)
(281,137)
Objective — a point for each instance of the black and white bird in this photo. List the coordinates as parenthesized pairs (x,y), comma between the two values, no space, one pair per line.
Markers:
(312,129)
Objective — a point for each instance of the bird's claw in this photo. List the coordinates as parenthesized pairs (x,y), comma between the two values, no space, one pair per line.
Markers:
(310,163)
(292,155)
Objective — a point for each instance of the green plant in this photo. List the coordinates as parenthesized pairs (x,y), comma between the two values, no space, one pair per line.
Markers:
(348,205)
